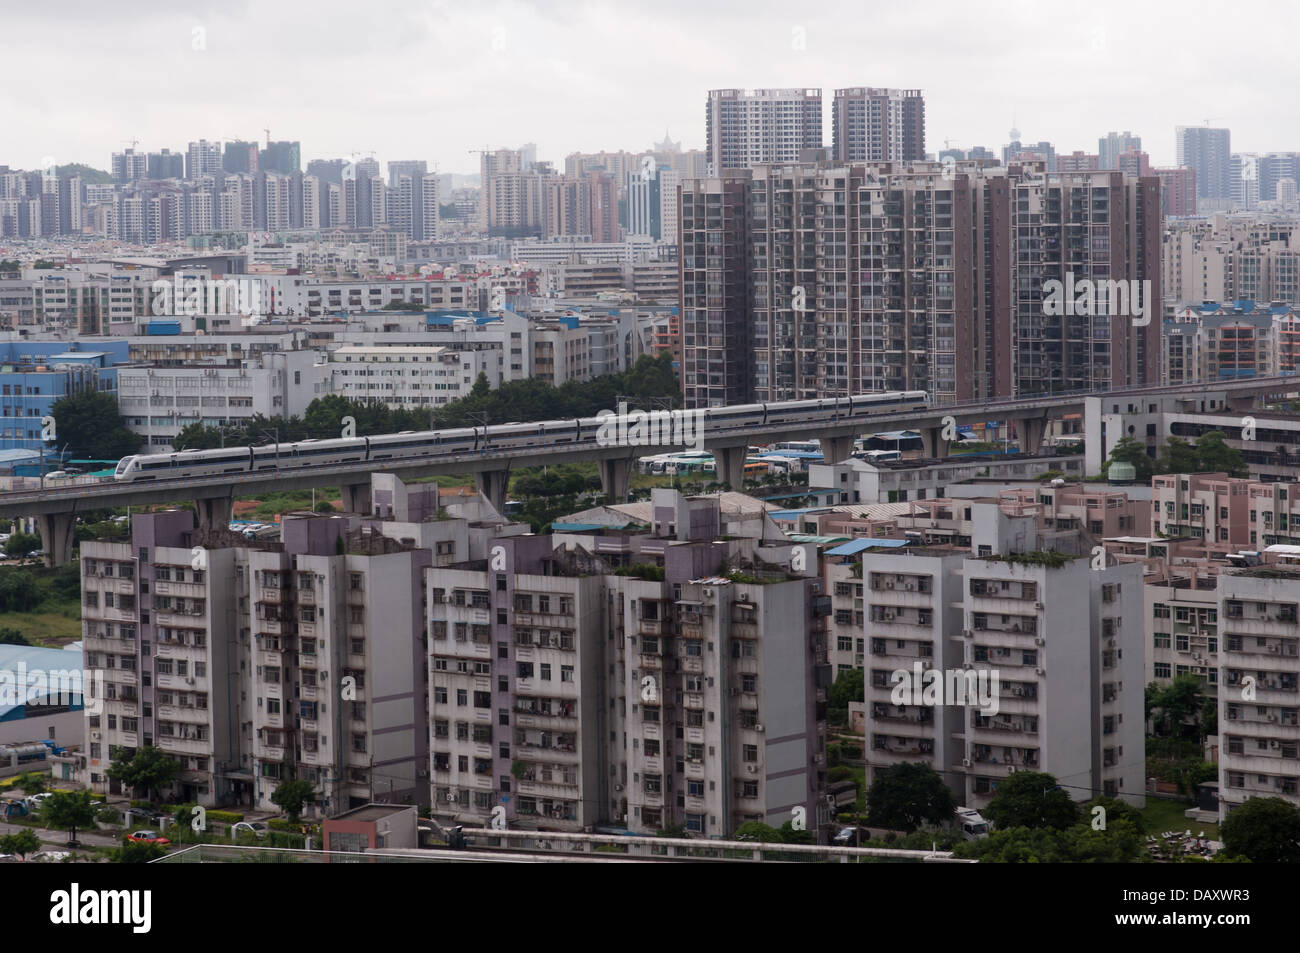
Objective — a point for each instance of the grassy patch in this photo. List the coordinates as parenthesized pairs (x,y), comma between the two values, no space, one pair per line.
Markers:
(1165,814)
(50,629)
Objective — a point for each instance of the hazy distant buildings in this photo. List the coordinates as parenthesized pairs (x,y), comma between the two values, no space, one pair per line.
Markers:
(1114,145)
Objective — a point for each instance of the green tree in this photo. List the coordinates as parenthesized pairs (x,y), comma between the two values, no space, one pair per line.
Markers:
(199,437)
(20,544)
(758,831)
(1031,799)
(1177,708)
(848,687)
(291,795)
(12,637)
(482,387)
(1134,451)
(91,426)
(149,768)
(1213,455)
(905,796)
(1265,830)
(31,782)
(1177,456)
(1120,842)
(22,843)
(791,836)
(68,811)
(137,852)
(18,591)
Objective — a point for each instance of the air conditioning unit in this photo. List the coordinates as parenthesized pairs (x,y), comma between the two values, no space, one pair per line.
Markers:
(618,787)
(1040,641)
(752,768)
(889,584)
(1038,605)
(708,593)
(758,727)
(967,633)
(1193,631)
(967,664)
(965,763)
(1011,770)
(1040,671)
(189,681)
(94,736)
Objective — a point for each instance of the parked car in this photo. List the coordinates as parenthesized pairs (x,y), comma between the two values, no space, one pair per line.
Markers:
(256,828)
(148,837)
(850,837)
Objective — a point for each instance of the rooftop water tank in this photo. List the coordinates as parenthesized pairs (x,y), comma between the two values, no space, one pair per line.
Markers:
(1121,472)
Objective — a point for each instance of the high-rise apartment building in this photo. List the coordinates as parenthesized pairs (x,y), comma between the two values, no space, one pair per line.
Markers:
(166,165)
(202,158)
(761,125)
(129,165)
(254,661)
(284,157)
(1208,152)
(240,157)
(853,279)
(877,125)
(1177,191)
(716,327)
(1259,686)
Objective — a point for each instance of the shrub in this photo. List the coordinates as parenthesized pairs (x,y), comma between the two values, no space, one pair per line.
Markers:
(108,815)
(225,817)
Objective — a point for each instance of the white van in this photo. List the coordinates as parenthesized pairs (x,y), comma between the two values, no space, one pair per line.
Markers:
(973,826)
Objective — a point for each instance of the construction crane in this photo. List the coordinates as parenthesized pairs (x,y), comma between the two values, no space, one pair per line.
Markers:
(134,143)
(268,136)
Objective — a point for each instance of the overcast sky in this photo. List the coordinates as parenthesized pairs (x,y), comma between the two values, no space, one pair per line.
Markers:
(434,79)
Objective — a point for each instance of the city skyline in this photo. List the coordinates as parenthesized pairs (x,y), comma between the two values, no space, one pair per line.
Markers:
(491,77)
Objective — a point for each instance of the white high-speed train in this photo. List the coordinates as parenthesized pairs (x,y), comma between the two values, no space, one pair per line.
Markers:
(498,439)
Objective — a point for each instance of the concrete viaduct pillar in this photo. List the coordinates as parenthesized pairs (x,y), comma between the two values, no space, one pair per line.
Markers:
(214,512)
(933,445)
(836,449)
(1031,431)
(492,485)
(729,466)
(355,497)
(57,537)
(615,477)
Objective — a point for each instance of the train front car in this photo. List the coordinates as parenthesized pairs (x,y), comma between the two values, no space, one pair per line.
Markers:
(126,468)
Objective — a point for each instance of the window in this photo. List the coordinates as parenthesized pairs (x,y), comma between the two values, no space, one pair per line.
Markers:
(750,753)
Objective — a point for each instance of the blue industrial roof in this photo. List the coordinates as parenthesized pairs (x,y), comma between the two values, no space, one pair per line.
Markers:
(858,545)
